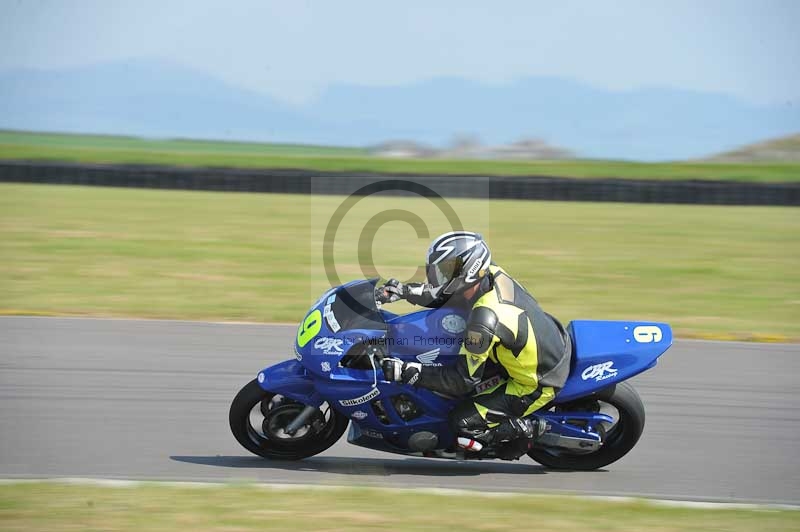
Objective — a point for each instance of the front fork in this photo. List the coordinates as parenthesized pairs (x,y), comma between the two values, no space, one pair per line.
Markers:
(290,380)
(300,420)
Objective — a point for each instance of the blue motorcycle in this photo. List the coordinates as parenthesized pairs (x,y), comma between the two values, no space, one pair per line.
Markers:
(300,407)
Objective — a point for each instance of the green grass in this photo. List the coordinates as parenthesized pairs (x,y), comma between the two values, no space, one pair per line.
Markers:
(56,507)
(729,272)
(101,144)
(100,149)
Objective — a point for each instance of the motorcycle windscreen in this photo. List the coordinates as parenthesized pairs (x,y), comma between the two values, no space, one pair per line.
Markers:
(355,307)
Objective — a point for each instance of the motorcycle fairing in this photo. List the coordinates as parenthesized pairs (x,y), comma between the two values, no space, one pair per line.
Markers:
(605,352)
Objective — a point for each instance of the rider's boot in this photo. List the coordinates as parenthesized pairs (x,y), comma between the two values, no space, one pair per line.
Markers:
(515,436)
(510,439)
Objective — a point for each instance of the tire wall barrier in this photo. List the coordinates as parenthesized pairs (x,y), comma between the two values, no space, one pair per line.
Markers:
(499,187)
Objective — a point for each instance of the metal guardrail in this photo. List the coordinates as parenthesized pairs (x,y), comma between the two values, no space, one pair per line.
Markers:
(499,187)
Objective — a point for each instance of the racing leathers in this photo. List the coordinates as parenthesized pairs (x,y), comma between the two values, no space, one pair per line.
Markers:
(514,358)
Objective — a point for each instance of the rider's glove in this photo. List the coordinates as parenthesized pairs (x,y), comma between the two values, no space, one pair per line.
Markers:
(395,370)
(390,292)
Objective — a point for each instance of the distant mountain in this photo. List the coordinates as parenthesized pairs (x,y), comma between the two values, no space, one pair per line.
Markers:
(646,124)
(142,98)
(773,150)
(155,99)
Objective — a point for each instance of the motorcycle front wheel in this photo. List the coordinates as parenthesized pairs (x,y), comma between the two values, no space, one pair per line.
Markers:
(618,438)
(259,419)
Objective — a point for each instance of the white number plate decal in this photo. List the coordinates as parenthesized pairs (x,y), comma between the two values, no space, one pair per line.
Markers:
(645,334)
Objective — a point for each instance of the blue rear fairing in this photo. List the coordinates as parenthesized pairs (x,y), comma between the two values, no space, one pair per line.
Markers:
(608,352)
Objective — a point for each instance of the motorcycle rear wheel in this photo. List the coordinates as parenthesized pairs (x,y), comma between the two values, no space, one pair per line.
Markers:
(618,440)
(258,418)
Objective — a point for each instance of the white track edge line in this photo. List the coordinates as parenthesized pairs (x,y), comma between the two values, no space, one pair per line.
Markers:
(148,320)
(669,503)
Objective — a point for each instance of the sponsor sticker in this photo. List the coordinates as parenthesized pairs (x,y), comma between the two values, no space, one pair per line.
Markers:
(600,372)
(329,346)
(488,384)
(361,400)
(325,366)
(359,415)
(324,296)
(474,269)
(453,323)
(261,378)
(330,317)
(369,433)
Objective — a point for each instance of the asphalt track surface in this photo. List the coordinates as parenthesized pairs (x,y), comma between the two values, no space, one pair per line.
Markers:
(149,400)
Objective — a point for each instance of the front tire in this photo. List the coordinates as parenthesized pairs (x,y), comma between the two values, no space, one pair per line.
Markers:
(267,438)
(617,442)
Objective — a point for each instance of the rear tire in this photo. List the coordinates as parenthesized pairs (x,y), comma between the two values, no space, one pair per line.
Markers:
(618,440)
(323,429)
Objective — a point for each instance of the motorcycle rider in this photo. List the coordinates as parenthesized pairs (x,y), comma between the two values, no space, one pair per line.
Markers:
(508,335)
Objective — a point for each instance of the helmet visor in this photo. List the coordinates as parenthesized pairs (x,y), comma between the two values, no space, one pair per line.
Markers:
(441,273)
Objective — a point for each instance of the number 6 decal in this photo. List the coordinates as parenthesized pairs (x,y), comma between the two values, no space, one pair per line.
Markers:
(645,334)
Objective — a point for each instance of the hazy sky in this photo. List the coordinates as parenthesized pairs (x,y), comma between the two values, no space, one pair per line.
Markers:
(294,49)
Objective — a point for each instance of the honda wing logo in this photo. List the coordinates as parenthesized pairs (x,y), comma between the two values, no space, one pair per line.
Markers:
(428,357)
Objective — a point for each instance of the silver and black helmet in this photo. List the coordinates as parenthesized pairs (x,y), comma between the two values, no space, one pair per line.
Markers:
(457,261)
